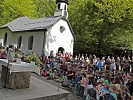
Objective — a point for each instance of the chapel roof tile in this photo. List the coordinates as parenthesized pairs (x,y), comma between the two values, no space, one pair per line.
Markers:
(27,24)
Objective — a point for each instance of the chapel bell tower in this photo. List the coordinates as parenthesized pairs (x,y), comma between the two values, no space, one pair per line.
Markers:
(61,8)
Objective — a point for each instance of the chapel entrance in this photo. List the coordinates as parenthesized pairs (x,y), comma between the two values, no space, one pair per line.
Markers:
(61,49)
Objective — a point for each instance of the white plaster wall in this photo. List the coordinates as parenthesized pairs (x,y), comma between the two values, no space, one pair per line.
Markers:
(56,39)
(13,39)
(37,41)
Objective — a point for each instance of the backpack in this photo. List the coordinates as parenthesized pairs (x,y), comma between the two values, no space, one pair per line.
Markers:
(108,97)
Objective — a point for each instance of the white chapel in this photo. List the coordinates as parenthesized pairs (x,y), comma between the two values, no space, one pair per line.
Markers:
(48,34)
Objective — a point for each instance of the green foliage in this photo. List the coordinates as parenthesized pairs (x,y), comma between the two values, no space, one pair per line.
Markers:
(17,54)
(33,57)
(12,9)
(100,24)
(44,7)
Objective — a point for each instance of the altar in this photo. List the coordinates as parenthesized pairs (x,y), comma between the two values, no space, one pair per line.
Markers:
(17,76)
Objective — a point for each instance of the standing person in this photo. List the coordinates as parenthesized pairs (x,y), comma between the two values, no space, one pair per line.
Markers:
(87,61)
(86,55)
(99,64)
(113,59)
(122,63)
(94,63)
(42,56)
(60,57)
(10,53)
(82,59)
(103,61)
(76,58)
(51,54)
(91,58)
(79,56)
(108,63)
(129,64)
(118,65)
(77,79)
(113,67)
(82,56)
(126,66)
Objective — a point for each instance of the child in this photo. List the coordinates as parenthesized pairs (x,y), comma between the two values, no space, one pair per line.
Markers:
(113,91)
(65,80)
(99,89)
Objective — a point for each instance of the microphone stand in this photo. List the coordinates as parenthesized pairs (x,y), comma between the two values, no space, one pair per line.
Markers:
(6,72)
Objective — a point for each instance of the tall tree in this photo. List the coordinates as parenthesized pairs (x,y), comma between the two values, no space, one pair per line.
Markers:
(101,19)
(12,9)
(44,7)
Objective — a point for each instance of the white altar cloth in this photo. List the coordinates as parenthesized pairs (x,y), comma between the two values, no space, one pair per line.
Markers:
(22,67)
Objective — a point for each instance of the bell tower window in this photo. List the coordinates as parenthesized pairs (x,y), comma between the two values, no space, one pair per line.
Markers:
(59,6)
(65,7)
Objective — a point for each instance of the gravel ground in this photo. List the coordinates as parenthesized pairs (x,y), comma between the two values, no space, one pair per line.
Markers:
(73,96)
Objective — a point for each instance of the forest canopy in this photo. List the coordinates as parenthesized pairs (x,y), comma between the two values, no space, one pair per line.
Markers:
(99,25)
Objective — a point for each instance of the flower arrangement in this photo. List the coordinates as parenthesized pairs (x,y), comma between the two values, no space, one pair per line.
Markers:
(33,57)
(17,55)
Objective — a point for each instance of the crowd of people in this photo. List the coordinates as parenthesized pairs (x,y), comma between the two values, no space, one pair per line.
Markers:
(90,77)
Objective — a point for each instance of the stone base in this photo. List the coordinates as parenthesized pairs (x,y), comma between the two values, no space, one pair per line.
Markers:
(15,80)
(38,90)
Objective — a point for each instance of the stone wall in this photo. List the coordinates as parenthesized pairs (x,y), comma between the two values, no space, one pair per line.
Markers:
(15,80)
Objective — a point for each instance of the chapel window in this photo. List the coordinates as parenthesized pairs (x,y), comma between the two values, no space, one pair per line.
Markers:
(62,29)
(30,42)
(5,39)
(19,42)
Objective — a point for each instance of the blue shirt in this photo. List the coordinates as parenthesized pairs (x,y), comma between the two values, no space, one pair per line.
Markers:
(99,64)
